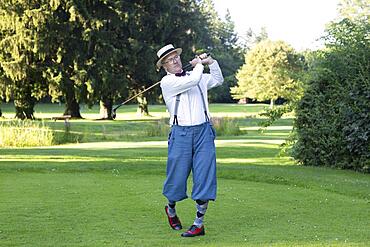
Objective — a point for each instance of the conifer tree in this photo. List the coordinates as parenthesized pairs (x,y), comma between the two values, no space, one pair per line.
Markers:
(88,45)
(23,52)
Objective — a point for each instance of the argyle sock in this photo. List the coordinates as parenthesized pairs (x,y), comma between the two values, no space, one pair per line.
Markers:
(171,209)
(201,211)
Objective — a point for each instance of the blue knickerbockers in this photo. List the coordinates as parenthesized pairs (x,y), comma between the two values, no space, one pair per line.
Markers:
(191,148)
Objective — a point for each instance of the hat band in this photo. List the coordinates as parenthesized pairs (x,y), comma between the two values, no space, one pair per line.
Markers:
(166,52)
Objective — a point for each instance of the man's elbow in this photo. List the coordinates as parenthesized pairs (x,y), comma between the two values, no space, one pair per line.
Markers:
(221,81)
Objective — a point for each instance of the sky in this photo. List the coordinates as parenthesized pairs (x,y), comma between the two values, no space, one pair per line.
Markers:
(298,22)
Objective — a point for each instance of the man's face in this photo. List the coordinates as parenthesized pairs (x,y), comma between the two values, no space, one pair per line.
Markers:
(172,63)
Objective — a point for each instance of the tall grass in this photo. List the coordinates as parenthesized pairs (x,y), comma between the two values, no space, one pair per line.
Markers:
(223,127)
(226,126)
(25,133)
(158,128)
(28,133)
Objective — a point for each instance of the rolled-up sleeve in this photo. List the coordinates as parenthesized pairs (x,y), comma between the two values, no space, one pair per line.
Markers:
(215,78)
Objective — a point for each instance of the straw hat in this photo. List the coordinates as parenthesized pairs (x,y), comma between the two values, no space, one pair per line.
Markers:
(166,50)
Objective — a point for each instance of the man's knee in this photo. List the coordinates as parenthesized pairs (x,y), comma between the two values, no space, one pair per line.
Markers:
(201,202)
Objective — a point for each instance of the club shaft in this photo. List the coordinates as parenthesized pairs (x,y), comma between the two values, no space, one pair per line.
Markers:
(133,97)
(186,67)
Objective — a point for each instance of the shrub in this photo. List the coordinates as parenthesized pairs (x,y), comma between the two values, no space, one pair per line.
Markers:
(332,119)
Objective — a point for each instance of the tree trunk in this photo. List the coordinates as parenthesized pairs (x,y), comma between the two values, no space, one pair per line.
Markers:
(272,101)
(1,114)
(143,106)
(24,103)
(106,109)
(72,106)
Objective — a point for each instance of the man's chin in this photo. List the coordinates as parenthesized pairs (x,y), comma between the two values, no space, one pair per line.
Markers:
(178,70)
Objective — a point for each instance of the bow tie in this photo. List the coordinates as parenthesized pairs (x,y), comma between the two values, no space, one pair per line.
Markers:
(183,73)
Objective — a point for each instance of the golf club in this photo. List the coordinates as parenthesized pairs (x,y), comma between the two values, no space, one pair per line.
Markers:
(114,114)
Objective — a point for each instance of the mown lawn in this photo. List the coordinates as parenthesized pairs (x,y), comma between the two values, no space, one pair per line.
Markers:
(106,191)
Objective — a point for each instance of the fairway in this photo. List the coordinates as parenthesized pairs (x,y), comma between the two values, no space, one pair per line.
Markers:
(106,191)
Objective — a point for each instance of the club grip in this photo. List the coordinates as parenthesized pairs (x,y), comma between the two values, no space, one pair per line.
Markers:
(189,66)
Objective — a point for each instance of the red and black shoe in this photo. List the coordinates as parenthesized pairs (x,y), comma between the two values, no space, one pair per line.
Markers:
(174,221)
(194,231)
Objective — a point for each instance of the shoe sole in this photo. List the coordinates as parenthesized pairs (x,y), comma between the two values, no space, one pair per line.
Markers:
(190,236)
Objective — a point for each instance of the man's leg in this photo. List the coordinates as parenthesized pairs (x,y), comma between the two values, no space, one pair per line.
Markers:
(178,164)
(178,170)
(197,229)
(173,220)
(201,211)
(204,166)
(204,177)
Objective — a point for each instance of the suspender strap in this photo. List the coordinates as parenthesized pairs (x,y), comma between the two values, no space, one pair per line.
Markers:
(175,122)
(204,104)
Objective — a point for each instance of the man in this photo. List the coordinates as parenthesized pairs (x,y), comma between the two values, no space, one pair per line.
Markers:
(191,140)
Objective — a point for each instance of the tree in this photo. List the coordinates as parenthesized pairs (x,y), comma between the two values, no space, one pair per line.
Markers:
(263,35)
(271,70)
(2,88)
(88,44)
(22,52)
(354,10)
(107,39)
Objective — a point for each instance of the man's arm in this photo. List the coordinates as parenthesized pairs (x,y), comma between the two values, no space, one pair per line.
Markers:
(172,85)
(215,78)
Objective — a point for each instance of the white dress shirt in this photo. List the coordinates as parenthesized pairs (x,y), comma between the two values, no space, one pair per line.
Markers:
(190,111)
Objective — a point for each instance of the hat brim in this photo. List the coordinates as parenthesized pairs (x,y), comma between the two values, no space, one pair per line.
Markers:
(159,62)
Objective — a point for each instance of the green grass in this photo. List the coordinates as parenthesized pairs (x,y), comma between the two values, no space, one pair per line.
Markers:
(107,192)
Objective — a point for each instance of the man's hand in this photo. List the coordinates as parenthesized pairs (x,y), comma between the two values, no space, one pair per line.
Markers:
(206,59)
(195,61)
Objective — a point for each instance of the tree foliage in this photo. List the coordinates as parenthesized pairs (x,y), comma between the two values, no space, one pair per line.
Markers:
(271,70)
(355,10)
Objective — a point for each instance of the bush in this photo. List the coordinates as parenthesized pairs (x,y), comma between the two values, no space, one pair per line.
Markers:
(333,117)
